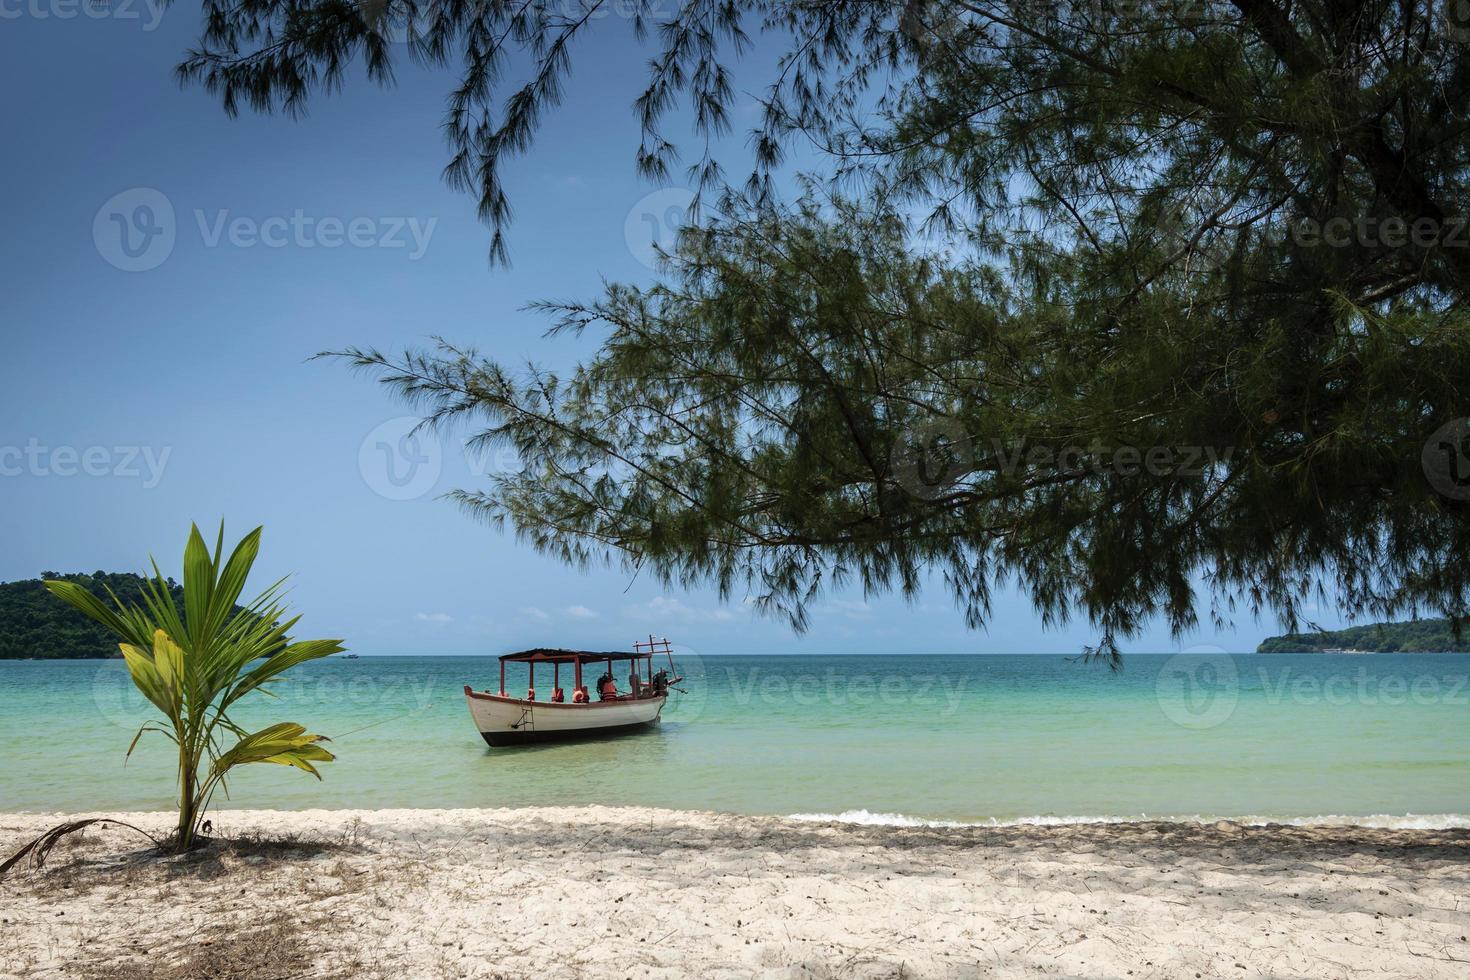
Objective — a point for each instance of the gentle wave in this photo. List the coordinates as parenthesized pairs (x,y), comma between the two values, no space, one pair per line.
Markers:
(1409,821)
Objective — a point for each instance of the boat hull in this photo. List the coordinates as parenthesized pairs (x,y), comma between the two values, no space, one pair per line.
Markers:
(513,721)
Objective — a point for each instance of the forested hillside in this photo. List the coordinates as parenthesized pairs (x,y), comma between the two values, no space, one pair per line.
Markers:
(1419,636)
(34,623)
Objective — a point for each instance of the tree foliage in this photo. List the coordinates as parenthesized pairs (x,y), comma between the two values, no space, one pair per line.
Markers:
(33,625)
(1236,227)
(1419,636)
(196,663)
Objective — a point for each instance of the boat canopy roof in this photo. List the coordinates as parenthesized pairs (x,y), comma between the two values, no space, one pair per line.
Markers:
(547,655)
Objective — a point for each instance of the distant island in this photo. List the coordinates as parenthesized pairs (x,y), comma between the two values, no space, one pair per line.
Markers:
(1419,636)
(34,624)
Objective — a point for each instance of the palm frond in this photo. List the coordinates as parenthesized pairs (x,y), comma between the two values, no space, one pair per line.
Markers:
(194,664)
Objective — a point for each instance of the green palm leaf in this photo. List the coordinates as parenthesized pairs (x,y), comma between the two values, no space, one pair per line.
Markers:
(194,664)
(286,744)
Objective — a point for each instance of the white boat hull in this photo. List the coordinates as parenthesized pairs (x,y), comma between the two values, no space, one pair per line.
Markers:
(513,721)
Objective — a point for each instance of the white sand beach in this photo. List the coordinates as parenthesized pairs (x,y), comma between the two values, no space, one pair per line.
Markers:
(636,892)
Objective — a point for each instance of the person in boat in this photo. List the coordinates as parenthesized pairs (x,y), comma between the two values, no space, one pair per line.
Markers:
(607,688)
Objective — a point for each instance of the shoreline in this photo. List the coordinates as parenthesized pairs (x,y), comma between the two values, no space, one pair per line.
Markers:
(856,817)
(637,891)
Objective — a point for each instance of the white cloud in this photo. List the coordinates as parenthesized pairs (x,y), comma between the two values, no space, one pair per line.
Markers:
(663,609)
(580,612)
(539,615)
(434,617)
(850,608)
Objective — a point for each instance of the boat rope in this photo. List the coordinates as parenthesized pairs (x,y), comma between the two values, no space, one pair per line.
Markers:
(384,721)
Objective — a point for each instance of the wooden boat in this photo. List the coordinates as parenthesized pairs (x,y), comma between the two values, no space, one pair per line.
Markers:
(579,713)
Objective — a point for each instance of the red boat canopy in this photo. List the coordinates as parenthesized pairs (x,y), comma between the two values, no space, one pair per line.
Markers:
(543,655)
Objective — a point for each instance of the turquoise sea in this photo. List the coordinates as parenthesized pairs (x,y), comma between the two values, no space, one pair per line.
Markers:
(1379,739)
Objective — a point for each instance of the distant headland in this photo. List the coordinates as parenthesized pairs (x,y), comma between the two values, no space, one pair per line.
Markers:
(35,625)
(1419,636)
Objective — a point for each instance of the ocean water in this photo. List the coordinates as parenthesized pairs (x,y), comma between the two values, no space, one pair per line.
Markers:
(1381,739)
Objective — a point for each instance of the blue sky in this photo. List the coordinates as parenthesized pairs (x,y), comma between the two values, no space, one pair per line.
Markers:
(163,377)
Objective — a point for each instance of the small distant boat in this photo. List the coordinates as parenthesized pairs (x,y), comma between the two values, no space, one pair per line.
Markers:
(350,656)
(604,711)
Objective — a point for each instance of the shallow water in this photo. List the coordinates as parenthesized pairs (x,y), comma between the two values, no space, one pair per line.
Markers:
(1381,739)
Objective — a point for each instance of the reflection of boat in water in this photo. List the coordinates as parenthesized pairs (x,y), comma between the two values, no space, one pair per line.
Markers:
(506,720)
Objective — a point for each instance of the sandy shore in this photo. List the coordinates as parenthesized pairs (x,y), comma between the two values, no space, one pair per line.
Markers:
(594,891)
